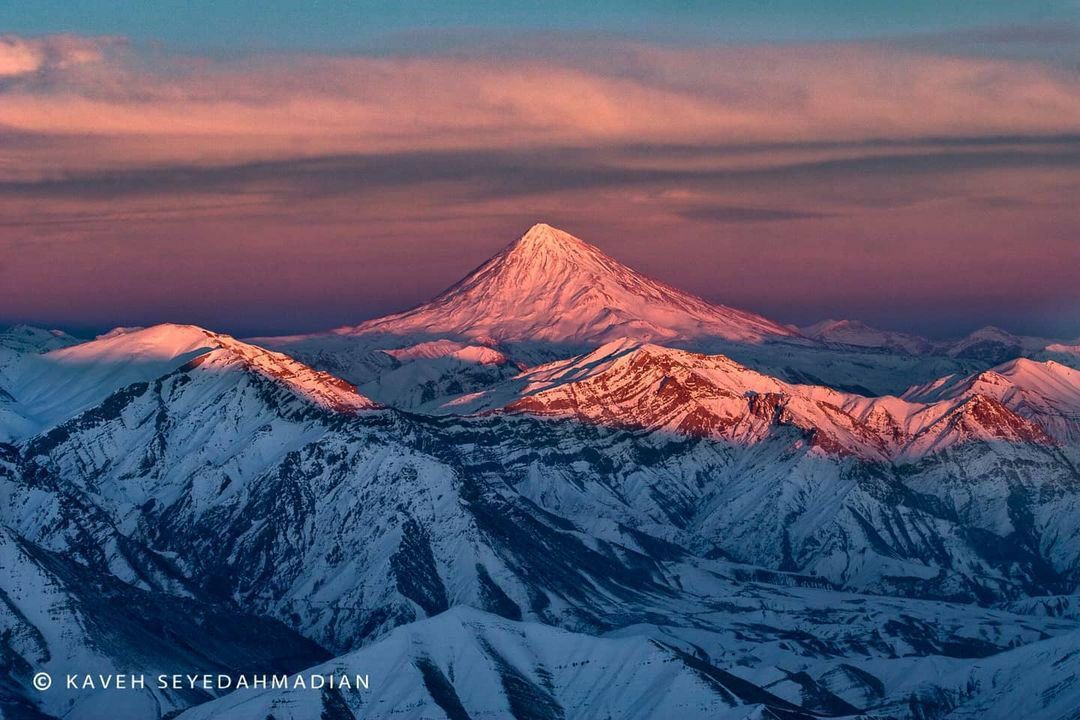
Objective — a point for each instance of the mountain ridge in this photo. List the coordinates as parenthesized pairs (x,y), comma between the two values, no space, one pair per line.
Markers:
(649,387)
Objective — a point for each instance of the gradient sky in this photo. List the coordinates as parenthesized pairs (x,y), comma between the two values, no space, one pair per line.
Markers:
(283,167)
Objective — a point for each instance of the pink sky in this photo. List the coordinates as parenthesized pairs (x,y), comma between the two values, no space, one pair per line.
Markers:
(271,193)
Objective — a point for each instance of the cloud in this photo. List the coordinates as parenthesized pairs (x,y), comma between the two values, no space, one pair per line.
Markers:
(137,109)
(23,56)
(743,213)
(865,174)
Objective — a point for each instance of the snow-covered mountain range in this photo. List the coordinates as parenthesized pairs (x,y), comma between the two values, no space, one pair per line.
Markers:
(558,490)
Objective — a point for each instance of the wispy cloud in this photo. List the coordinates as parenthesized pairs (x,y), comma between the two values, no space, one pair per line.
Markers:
(131,108)
(493,173)
(745,213)
(24,56)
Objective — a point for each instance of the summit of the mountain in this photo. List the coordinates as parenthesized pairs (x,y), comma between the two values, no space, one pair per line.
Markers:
(544,241)
(550,286)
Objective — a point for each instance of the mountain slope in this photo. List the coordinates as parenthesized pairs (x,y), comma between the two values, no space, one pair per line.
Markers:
(464,663)
(957,498)
(1039,681)
(17,342)
(61,617)
(28,339)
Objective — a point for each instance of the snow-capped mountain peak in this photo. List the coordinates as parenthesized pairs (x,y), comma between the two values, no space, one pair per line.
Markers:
(549,286)
(544,241)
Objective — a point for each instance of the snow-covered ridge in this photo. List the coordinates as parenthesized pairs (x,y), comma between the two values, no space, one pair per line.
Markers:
(644,386)
(1047,393)
(466,663)
(318,387)
(498,668)
(51,387)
